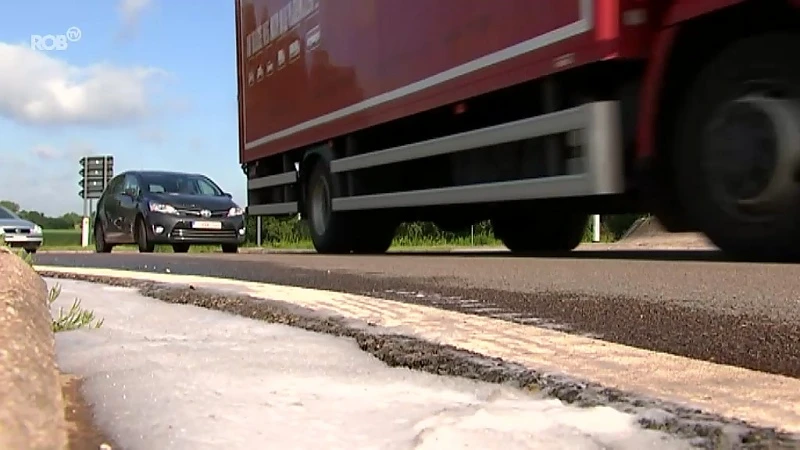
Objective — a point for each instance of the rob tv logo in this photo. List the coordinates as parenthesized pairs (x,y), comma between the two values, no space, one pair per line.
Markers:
(60,42)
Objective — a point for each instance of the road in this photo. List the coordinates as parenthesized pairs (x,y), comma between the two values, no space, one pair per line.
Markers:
(687,304)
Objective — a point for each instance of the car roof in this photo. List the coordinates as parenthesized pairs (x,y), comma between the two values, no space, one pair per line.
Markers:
(159,173)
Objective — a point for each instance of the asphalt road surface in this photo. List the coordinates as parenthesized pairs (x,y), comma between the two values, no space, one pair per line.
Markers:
(689,304)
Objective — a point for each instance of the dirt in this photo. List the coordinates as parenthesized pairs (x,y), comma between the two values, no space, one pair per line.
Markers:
(648,233)
(82,432)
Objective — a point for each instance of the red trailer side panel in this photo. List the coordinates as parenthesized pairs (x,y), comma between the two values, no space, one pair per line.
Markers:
(315,69)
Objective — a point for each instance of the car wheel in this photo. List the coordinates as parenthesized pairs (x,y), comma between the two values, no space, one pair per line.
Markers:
(180,248)
(230,248)
(145,246)
(100,245)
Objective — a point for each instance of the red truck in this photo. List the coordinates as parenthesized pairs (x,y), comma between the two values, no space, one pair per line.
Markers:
(533,114)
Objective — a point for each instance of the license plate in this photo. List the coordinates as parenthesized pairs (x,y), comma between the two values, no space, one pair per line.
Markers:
(18,239)
(207,225)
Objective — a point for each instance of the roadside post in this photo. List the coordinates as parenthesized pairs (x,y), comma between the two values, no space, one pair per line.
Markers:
(596,228)
(258,231)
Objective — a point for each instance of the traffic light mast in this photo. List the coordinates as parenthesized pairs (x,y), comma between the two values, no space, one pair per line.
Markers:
(96,173)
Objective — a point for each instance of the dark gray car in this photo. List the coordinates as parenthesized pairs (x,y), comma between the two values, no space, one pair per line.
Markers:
(18,232)
(178,209)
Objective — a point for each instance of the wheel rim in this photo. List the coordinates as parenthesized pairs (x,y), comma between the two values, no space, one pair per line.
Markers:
(320,206)
(742,151)
(749,152)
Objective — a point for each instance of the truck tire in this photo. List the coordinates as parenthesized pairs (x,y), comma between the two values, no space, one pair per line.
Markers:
(738,149)
(331,232)
(375,236)
(540,234)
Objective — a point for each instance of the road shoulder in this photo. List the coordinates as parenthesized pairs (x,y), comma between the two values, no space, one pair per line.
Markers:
(436,355)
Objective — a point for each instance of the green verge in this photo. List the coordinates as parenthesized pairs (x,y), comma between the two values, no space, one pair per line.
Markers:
(291,234)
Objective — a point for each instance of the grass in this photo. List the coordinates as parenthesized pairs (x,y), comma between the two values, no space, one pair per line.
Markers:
(298,245)
(61,238)
(70,240)
(73,318)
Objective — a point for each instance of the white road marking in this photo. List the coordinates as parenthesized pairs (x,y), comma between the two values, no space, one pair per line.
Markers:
(759,398)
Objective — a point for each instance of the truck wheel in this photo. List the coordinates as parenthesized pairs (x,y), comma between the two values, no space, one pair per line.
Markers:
(331,232)
(375,236)
(737,149)
(547,233)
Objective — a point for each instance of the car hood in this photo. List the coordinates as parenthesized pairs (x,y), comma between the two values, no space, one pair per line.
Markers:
(184,201)
(16,223)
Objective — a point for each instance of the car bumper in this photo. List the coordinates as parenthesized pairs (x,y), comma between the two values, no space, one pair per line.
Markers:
(169,229)
(27,241)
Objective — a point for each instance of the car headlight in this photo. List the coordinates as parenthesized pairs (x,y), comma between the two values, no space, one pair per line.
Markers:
(162,208)
(37,229)
(235,211)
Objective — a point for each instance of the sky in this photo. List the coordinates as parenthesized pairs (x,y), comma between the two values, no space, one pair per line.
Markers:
(151,82)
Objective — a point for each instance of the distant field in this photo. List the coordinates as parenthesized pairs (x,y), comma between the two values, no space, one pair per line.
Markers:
(61,238)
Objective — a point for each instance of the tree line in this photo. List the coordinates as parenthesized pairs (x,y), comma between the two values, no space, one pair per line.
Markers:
(67,221)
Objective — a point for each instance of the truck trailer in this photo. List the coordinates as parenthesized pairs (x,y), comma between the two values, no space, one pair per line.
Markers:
(359,115)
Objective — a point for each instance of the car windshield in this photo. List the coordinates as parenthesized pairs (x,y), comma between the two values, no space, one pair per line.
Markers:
(181,184)
(6,214)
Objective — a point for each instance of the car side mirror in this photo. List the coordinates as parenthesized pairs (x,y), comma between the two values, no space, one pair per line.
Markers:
(227,194)
(130,193)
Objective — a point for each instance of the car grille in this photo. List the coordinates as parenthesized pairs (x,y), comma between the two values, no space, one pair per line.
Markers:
(204,234)
(16,230)
(196,213)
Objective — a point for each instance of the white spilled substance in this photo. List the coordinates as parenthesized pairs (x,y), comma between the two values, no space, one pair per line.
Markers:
(163,376)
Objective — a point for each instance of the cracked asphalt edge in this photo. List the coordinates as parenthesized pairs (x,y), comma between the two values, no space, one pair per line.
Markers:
(703,430)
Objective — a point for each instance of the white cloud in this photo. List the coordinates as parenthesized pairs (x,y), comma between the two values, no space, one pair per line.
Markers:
(38,89)
(45,178)
(46,152)
(78,149)
(131,12)
(47,186)
(153,136)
